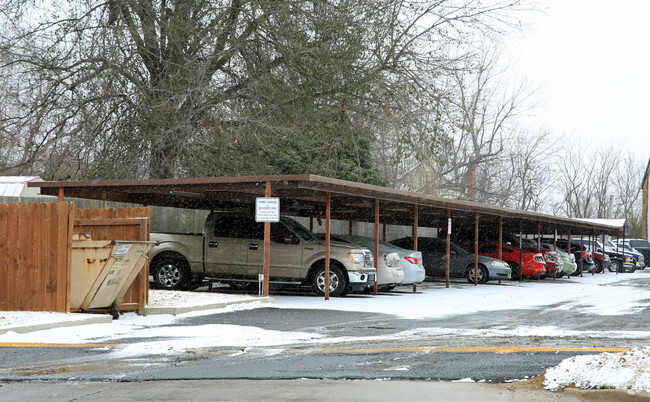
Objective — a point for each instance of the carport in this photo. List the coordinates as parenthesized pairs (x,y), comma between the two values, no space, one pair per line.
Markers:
(316,196)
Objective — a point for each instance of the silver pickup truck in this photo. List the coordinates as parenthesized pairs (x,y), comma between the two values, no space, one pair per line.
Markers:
(231,250)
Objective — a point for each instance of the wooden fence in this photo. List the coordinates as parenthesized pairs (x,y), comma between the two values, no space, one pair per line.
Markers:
(36,247)
(119,224)
(163,219)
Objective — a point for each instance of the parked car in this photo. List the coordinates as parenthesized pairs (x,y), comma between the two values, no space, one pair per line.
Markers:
(411,260)
(618,260)
(583,258)
(640,245)
(522,262)
(389,266)
(639,259)
(551,257)
(568,264)
(461,263)
(231,250)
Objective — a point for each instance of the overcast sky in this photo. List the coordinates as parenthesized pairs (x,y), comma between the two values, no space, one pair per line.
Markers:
(592,60)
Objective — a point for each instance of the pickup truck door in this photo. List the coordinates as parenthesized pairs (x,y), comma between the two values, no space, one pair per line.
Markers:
(286,255)
(225,245)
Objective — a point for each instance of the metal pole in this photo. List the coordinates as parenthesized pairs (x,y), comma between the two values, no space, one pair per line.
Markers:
(448,248)
(604,253)
(521,257)
(476,249)
(415,234)
(267,247)
(581,251)
(376,244)
(569,248)
(328,205)
(593,248)
(500,237)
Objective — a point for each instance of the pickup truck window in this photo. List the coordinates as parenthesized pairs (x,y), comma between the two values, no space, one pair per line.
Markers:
(238,227)
(243,227)
(299,229)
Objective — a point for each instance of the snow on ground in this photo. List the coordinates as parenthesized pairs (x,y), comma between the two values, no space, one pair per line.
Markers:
(593,294)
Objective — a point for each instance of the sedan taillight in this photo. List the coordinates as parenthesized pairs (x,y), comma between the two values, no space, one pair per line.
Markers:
(412,260)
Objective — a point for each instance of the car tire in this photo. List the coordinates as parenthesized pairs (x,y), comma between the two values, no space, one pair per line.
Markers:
(598,267)
(615,266)
(171,274)
(483,274)
(338,281)
(516,271)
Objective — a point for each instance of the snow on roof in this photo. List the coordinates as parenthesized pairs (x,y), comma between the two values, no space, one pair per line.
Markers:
(15,186)
(618,223)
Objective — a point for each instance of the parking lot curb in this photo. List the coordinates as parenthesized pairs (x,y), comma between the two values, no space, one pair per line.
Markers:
(79,319)
(210,306)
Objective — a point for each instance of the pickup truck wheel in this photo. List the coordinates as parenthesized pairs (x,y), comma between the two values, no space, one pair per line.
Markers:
(482,276)
(338,281)
(171,274)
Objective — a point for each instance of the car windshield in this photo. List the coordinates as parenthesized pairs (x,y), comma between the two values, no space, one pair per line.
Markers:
(299,229)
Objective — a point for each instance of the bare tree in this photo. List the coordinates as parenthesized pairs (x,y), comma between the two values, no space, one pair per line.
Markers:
(482,116)
(159,88)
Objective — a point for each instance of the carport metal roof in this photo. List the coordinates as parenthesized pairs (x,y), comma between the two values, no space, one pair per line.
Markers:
(305,195)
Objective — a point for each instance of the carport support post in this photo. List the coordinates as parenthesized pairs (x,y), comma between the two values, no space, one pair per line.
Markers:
(328,204)
(569,248)
(604,253)
(592,238)
(448,248)
(500,242)
(500,237)
(582,238)
(415,235)
(376,245)
(521,257)
(476,248)
(267,247)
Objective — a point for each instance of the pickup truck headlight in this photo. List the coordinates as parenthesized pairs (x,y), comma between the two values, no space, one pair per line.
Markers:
(356,258)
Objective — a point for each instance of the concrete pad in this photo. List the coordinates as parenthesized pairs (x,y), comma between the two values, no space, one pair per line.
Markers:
(42,322)
(173,310)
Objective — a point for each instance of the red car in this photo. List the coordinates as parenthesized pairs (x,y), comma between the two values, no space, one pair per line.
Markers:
(532,263)
(551,259)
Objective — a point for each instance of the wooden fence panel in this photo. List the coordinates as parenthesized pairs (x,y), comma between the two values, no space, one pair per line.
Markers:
(4,260)
(64,254)
(36,247)
(33,263)
(120,224)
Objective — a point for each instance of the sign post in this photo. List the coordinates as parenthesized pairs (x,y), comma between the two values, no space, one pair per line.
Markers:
(267,210)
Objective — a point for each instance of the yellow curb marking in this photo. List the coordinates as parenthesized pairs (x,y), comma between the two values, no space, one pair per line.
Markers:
(477,350)
(56,345)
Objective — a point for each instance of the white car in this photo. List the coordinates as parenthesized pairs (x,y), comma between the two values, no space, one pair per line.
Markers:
(389,266)
(411,260)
